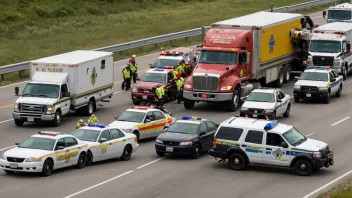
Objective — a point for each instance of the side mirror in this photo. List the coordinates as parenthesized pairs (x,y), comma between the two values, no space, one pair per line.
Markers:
(60,148)
(348,47)
(283,145)
(333,80)
(202,133)
(17,143)
(102,140)
(147,120)
(17,89)
(217,125)
(151,65)
(297,78)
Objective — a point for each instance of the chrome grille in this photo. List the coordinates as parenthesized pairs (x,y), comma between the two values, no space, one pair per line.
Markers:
(257,110)
(323,60)
(309,88)
(205,83)
(14,159)
(31,107)
(170,143)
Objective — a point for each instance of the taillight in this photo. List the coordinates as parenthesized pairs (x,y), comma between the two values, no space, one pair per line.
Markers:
(214,143)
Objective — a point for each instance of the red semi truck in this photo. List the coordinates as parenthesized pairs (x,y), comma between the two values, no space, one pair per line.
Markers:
(240,53)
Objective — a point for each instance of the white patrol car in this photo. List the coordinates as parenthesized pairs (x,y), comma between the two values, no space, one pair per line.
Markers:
(45,152)
(266,103)
(167,58)
(242,141)
(318,83)
(106,142)
(143,121)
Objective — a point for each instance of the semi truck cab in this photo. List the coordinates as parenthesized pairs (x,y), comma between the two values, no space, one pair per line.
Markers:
(339,13)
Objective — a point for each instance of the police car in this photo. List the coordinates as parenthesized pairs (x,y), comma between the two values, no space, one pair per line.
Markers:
(168,58)
(266,103)
(244,141)
(318,83)
(143,89)
(143,121)
(190,136)
(45,152)
(106,142)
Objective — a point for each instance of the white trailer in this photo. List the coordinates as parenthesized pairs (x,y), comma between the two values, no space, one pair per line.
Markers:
(330,46)
(76,80)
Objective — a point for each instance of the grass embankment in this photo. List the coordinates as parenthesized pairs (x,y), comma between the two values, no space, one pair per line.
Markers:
(341,191)
(31,29)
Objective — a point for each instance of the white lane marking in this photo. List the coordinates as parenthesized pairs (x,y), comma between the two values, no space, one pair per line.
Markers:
(317,17)
(116,92)
(7,148)
(310,134)
(14,84)
(338,122)
(5,121)
(150,163)
(104,182)
(328,184)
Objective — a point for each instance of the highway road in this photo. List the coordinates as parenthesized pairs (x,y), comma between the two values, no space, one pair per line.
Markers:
(147,175)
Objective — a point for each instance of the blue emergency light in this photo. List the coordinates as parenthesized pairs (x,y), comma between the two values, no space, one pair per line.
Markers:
(191,118)
(97,125)
(270,125)
(159,67)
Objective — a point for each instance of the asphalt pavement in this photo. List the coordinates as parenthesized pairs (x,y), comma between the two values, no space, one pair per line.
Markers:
(147,175)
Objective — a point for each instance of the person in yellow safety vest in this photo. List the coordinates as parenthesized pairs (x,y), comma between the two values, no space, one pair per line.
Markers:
(93,120)
(126,74)
(134,67)
(80,124)
(181,67)
(159,95)
(174,73)
(180,82)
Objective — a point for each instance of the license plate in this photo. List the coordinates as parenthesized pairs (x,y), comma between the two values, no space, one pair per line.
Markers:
(255,116)
(30,119)
(13,165)
(204,95)
(169,149)
(308,95)
(145,97)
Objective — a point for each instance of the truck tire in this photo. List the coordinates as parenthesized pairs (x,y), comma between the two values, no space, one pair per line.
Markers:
(188,104)
(90,108)
(237,162)
(57,119)
(19,122)
(344,72)
(280,79)
(327,98)
(287,74)
(234,104)
(303,167)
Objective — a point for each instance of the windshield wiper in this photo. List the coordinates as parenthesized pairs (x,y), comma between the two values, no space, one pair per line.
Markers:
(299,142)
(27,94)
(41,95)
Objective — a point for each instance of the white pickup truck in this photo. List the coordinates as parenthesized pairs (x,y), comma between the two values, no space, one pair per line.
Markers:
(76,80)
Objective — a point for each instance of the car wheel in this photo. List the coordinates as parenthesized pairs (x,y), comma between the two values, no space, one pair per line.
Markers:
(126,155)
(344,73)
(196,152)
(188,104)
(90,108)
(327,98)
(287,113)
(137,135)
(19,122)
(338,94)
(234,104)
(303,167)
(57,120)
(9,172)
(237,162)
(81,161)
(48,167)
(161,154)
(89,158)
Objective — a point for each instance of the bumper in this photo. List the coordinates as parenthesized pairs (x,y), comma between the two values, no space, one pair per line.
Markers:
(326,161)
(217,154)
(257,115)
(142,97)
(32,117)
(187,150)
(31,167)
(135,147)
(311,95)
(205,96)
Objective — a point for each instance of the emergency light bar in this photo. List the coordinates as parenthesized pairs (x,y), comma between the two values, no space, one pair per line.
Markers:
(319,67)
(164,67)
(167,53)
(49,133)
(191,118)
(270,125)
(322,32)
(140,107)
(97,125)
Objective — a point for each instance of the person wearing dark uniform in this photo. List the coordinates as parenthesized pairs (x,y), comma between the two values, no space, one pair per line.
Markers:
(173,89)
(126,74)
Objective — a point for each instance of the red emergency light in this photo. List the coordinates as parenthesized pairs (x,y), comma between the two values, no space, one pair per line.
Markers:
(47,133)
(163,53)
(168,67)
(339,33)
(140,107)
(316,31)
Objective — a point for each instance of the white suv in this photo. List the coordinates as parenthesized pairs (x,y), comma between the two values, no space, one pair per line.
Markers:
(244,141)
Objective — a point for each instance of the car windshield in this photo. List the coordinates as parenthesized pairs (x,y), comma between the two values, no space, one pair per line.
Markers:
(314,76)
(323,46)
(131,116)
(261,97)
(154,77)
(41,90)
(86,134)
(181,127)
(166,62)
(38,143)
(218,57)
(294,137)
(339,14)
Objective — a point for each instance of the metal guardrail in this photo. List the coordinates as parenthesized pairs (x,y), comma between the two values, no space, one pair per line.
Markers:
(167,37)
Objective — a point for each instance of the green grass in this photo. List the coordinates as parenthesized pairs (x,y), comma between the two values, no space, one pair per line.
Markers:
(31,29)
(341,191)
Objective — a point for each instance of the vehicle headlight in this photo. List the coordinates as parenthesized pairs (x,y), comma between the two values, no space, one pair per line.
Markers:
(34,159)
(226,88)
(186,144)
(3,157)
(337,62)
(269,110)
(127,130)
(188,86)
(16,107)
(297,87)
(244,109)
(323,88)
(134,89)
(159,141)
(50,109)
(317,154)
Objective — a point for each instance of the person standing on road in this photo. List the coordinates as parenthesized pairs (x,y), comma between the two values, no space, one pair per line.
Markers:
(134,68)
(126,74)
(80,124)
(93,119)
(179,96)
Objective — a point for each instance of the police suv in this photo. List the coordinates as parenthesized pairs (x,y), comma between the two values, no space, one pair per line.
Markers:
(266,103)
(318,83)
(244,141)
(168,58)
